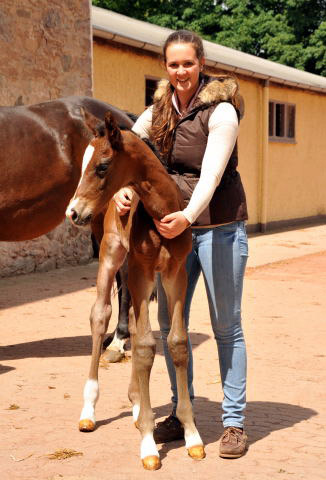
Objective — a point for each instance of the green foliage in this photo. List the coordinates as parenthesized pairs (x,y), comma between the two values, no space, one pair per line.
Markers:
(315,54)
(292,32)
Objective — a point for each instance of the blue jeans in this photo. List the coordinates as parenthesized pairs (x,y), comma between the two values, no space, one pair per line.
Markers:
(220,253)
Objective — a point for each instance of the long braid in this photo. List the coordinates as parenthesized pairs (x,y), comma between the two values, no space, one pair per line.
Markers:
(163,122)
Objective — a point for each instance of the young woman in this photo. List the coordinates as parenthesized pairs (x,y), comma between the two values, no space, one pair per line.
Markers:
(194,124)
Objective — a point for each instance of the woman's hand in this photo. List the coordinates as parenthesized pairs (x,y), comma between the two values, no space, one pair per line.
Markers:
(172,225)
(122,200)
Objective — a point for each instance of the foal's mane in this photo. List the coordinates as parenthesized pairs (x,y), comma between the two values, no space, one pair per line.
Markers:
(100,130)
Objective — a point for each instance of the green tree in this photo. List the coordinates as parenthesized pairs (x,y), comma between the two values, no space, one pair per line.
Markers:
(292,32)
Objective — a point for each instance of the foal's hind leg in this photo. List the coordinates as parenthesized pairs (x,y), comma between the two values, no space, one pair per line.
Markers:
(175,288)
(112,255)
(143,352)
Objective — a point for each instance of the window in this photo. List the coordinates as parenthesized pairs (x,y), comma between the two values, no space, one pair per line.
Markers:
(150,87)
(281,122)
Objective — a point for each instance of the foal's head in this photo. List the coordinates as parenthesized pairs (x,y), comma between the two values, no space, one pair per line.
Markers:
(105,169)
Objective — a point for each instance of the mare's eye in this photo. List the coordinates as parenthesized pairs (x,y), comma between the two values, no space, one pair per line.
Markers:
(101,169)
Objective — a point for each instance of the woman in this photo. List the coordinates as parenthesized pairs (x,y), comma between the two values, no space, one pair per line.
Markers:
(194,124)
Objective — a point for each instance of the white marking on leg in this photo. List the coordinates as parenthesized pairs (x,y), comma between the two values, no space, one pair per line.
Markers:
(192,439)
(91,394)
(148,447)
(117,344)
(135,412)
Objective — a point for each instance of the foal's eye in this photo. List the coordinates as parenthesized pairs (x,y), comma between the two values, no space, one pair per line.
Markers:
(101,169)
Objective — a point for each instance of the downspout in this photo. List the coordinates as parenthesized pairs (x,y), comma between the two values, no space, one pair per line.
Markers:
(264,156)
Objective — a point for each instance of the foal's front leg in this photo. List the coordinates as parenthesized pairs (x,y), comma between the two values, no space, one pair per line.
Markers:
(143,352)
(112,255)
(175,288)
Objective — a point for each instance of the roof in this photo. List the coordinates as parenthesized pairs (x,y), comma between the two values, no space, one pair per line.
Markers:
(136,33)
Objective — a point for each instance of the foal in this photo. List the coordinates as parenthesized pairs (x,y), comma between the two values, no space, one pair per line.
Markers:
(119,159)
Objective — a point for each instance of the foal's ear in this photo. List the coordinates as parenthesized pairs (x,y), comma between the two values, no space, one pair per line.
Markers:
(113,132)
(91,122)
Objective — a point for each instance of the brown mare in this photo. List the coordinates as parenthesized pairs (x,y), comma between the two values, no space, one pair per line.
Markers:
(119,159)
(41,155)
(42,148)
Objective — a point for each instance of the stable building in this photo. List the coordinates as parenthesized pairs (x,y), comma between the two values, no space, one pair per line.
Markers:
(282,143)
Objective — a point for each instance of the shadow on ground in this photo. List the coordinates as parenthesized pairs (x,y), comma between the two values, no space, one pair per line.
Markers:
(262,418)
(5,369)
(68,347)
(24,289)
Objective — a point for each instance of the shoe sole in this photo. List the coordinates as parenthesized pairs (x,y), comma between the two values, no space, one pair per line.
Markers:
(228,455)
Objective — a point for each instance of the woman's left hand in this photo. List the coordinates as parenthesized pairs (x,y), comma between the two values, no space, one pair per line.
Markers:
(172,225)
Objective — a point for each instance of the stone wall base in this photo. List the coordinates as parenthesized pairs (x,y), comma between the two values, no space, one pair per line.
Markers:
(65,245)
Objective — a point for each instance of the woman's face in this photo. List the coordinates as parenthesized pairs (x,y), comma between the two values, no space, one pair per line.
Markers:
(183,68)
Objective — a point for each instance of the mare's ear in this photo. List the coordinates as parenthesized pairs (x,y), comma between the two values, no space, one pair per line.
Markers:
(113,132)
(92,122)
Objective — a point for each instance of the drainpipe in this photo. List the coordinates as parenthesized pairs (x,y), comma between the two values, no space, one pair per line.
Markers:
(264,157)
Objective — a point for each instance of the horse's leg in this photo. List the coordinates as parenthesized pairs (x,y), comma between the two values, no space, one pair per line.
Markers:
(175,285)
(97,227)
(116,341)
(143,352)
(112,254)
(133,391)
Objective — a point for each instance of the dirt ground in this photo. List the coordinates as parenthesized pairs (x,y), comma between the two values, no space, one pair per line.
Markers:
(44,356)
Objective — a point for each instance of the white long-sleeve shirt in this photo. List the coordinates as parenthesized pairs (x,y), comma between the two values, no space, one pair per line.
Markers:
(222,135)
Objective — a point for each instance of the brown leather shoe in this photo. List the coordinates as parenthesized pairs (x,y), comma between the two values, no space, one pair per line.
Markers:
(168,430)
(233,443)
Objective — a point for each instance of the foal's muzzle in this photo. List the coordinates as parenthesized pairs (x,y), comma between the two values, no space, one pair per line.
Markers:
(78,213)
(79,220)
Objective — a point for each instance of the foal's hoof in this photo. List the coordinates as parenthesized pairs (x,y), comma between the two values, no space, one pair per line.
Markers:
(152,462)
(197,452)
(111,356)
(86,425)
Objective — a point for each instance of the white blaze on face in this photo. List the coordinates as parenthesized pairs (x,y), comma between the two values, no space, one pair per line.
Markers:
(86,159)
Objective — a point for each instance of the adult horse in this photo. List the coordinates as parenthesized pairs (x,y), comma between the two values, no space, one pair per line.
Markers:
(41,156)
(42,148)
(120,158)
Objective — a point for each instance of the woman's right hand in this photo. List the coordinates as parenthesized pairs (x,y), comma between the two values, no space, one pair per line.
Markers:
(123,199)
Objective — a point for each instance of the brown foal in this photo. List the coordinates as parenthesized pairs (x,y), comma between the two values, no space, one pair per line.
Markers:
(119,159)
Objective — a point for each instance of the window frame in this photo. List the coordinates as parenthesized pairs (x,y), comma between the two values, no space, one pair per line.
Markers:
(284,138)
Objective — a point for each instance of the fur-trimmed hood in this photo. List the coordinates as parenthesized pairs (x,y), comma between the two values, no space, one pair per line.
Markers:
(214,90)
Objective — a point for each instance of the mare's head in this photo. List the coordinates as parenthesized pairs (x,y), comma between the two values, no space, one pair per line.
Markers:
(104,170)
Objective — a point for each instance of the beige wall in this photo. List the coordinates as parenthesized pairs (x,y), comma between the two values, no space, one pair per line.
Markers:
(250,146)
(290,177)
(297,173)
(119,75)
